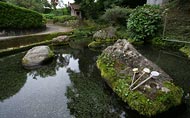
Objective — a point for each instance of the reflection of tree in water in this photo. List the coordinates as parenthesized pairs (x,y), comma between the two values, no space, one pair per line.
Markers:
(88,97)
(61,60)
(12,76)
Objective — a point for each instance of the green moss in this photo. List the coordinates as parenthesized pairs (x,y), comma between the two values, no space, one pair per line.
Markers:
(95,44)
(51,54)
(107,70)
(173,97)
(24,61)
(138,101)
(186,50)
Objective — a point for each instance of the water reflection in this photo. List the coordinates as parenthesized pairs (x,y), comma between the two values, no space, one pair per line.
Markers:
(71,86)
(89,96)
(177,66)
(172,62)
(12,76)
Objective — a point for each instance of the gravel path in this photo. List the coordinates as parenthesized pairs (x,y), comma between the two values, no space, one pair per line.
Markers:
(51,28)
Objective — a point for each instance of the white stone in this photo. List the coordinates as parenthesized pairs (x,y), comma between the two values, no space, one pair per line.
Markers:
(36,56)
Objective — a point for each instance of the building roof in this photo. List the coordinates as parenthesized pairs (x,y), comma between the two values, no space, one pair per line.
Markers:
(75,6)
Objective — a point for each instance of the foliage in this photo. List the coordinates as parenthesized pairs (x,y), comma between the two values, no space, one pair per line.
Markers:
(116,15)
(57,12)
(60,12)
(62,19)
(92,10)
(84,31)
(36,5)
(19,18)
(144,22)
(49,16)
(15,76)
(89,9)
(122,33)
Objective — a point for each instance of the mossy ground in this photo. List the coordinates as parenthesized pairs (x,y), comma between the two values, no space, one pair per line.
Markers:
(145,105)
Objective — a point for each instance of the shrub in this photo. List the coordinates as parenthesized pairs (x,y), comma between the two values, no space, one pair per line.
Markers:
(84,31)
(19,18)
(49,16)
(60,12)
(116,15)
(144,22)
(62,19)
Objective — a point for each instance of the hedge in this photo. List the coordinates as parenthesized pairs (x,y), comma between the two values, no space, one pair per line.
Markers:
(19,18)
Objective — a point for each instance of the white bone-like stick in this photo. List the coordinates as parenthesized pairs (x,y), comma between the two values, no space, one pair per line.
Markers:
(145,70)
(152,74)
(135,70)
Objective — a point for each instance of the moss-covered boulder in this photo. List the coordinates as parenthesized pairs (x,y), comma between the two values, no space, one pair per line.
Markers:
(155,96)
(109,32)
(103,38)
(37,56)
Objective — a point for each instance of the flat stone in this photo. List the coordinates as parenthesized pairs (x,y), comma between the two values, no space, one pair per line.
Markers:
(61,39)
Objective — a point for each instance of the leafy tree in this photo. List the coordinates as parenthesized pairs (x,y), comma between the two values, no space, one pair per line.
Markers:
(94,8)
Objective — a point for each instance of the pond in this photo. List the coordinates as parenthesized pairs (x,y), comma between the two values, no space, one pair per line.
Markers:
(71,86)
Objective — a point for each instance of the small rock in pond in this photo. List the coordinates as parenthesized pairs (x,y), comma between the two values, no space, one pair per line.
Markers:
(60,39)
(37,56)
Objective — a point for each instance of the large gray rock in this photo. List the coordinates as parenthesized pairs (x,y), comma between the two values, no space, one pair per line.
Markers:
(105,33)
(37,56)
(61,40)
(158,94)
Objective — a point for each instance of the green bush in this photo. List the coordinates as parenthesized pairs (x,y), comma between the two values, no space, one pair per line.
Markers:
(60,12)
(84,31)
(62,19)
(49,16)
(19,18)
(116,15)
(144,22)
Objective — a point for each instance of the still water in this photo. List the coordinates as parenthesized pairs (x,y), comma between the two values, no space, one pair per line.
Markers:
(71,86)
